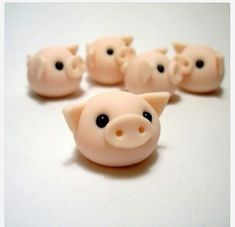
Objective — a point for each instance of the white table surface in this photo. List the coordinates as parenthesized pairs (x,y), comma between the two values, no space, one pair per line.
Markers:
(48,184)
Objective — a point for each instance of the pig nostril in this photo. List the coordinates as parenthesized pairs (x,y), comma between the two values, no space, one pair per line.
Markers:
(141,129)
(119,132)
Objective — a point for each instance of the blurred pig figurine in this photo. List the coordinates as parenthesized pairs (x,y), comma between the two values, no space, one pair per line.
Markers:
(109,135)
(55,71)
(104,60)
(201,68)
(152,71)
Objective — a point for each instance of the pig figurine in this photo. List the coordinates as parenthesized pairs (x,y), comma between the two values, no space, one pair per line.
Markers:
(55,71)
(152,71)
(117,128)
(104,61)
(201,68)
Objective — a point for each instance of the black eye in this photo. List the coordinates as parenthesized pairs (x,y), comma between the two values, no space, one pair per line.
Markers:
(110,51)
(59,65)
(160,68)
(102,120)
(147,115)
(199,63)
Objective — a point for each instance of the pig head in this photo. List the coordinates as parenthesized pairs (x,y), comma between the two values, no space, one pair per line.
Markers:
(200,68)
(43,68)
(152,72)
(55,71)
(113,136)
(107,58)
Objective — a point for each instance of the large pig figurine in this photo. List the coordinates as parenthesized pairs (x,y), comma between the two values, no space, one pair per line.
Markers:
(55,71)
(152,71)
(117,128)
(104,60)
(203,71)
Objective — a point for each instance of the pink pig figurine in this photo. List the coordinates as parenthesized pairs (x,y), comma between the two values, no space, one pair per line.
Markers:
(203,69)
(117,128)
(104,59)
(151,71)
(55,71)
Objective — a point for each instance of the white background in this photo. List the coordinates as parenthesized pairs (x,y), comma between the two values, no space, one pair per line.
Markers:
(185,183)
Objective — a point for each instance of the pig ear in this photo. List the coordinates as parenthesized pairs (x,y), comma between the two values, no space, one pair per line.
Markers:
(39,67)
(157,100)
(72,115)
(145,71)
(220,63)
(127,40)
(73,49)
(179,47)
(90,51)
(162,50)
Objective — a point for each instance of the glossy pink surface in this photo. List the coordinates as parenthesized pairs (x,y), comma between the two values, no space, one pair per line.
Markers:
(123,136)
(205,68)
(55,71)
(152,71)
(104,58)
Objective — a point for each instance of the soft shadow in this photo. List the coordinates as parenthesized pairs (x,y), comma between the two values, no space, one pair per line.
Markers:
(93,83)
(217,93)
(175,98)
(161,147)
(114,172)
(42,99)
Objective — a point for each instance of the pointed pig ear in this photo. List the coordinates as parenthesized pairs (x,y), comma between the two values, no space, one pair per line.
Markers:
(179,47)
(157,100)
(72,116)
(161,50)
(73,49)
(127,40)
(90,52)
(145,71)
(220,63)
(39,67)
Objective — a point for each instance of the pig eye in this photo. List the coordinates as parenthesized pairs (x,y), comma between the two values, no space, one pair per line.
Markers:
(59,65)
(109,51)
(147,115)
(199,63)
(160,68)
(102,120)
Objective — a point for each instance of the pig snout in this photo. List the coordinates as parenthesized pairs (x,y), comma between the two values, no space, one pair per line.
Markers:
(123,56)
(128,131)
(180,66)
(185,63)
(75,67)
